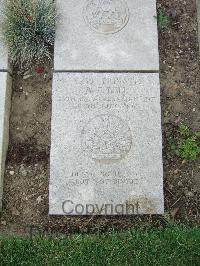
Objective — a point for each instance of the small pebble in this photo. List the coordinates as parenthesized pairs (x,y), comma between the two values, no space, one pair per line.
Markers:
(180,183)
(176,171)
(15,212)
(27,77)
(39,199)
(189,194)
(173,13)
(22,171)
(11,172)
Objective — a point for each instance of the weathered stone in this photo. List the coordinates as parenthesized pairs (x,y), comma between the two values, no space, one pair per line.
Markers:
(3,58)
(5,88)
(3,49)
(106,149)
(106,35)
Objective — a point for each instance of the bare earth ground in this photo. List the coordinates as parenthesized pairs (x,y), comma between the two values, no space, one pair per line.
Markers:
(26,180)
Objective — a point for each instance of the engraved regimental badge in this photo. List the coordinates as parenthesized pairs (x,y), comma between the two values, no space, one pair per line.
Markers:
(106,138)
(106,16)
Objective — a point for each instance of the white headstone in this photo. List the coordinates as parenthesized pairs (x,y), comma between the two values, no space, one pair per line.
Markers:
(106,35)
(106,149)
(3,58)
(3,49)
(5,88)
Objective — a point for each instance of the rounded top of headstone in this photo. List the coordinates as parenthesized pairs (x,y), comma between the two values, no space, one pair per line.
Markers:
(106,16)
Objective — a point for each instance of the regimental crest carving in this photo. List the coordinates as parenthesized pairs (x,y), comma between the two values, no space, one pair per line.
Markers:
(106,138)
(106,16)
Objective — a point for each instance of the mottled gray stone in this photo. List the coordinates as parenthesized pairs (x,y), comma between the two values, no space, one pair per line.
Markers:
(106,145)
(106,35)
(3,58)
(5,88)
(3,49)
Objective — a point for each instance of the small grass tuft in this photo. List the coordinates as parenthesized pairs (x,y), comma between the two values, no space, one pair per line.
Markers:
(163,19)
(28,30)
(187,144)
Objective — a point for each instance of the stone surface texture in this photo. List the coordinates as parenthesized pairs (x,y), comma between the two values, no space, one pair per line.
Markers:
(5,88)
(3,50)
(106,144)
(3,58)
(106,35)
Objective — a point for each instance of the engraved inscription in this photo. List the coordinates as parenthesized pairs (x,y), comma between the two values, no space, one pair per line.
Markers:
(106,138)
(107,94)
(106,16)
(102,181)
